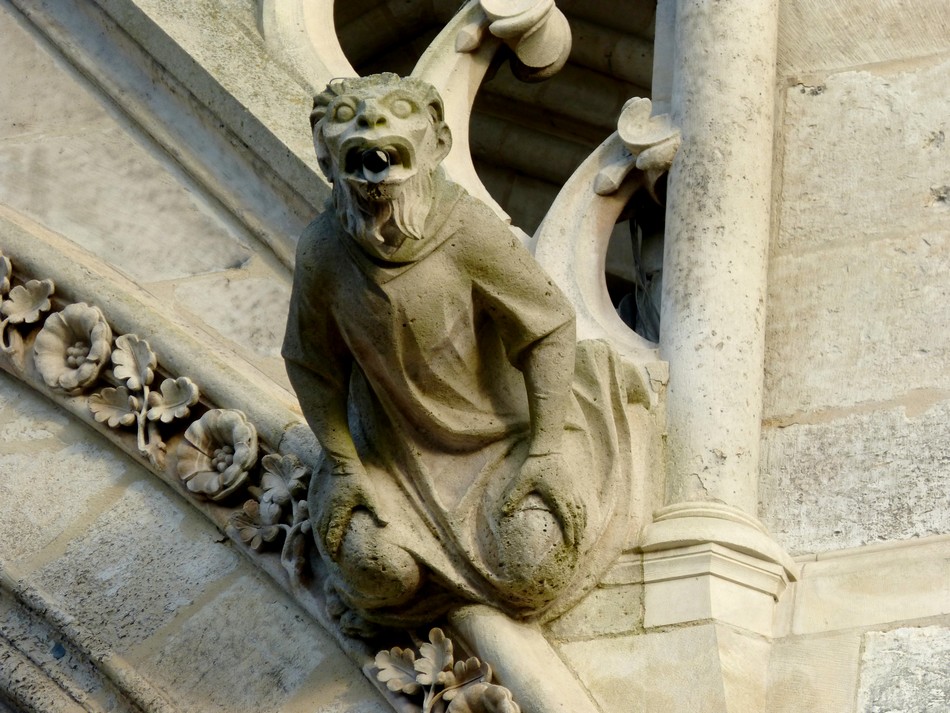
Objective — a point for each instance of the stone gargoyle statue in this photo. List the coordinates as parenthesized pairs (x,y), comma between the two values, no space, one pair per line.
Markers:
(473,451)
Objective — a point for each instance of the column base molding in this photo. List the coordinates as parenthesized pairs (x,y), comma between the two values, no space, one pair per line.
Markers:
(709,582)
(711,562)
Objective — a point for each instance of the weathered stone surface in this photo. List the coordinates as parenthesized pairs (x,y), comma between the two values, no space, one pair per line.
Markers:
(136,565)
(53,472)
(857,281)
(24,684)
(250,648)
(93,180)
(824,34)
(905,671)
(142,575)
(688,670)
(874,311)
(877,170)
(814,674)
(870,588)
(870,477)
(43,109)
(603,612)
(53,657)
(250,312)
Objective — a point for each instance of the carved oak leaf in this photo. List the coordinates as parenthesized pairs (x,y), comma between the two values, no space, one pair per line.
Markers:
(115,406)
(284,478)
(176,396)
(134,361)
(436,661)
(483,698)
(251,529)
(25,302)
(6,272)
(397,670)
(463,673)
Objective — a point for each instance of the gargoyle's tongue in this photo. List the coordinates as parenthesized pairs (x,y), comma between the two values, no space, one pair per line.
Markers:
(376,164)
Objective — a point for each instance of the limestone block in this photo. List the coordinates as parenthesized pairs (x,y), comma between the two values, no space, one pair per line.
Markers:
(52,472)
(814,674)
(864,478)
(93,180)
(874,311)
(905,670)
(823,34)
(857,281)
(872,587)
(606,611)
(44,107)
(696,669)
(250,312)
(251,648)
(136,565)
(876,170)
(109,195)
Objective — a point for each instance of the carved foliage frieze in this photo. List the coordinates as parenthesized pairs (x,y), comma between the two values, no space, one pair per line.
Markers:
(213,453)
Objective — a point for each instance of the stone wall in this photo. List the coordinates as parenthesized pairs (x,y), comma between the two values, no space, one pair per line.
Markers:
(858,365)
(855,475)
(116,593)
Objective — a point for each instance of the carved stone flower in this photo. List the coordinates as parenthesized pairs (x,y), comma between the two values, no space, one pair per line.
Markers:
(223,448)
(73,347)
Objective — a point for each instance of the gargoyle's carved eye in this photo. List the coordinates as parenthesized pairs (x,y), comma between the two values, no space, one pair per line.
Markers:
(401,108)
(344,112)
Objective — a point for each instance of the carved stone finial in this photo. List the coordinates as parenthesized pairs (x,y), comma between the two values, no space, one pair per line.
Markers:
(536,32)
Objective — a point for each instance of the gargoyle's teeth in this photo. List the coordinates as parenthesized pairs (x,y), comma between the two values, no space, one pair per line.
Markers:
(395,158)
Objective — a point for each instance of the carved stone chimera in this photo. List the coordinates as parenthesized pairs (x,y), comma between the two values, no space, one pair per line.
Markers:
(472,449)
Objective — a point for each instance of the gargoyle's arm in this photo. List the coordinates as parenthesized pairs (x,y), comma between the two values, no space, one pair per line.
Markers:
(548,368)
(324,404)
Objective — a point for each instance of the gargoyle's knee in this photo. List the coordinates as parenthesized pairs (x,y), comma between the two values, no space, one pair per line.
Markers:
(376,572)
(528,552)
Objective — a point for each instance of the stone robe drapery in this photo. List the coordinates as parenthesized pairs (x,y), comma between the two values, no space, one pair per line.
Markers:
(427,345)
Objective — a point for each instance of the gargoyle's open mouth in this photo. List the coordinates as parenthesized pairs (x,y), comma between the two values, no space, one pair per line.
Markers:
(388,160)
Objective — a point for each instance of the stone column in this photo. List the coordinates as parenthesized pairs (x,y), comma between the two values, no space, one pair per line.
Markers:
(708,563)
(717,237)
(714,273)
(710,569)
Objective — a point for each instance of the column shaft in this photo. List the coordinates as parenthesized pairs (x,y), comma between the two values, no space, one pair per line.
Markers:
(717,235)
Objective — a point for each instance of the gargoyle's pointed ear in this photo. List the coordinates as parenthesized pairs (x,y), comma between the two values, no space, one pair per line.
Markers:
(443,137)
(323,156)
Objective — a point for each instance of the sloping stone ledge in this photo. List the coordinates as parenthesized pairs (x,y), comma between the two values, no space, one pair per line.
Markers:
(866,587)
(31,686)
(234,151)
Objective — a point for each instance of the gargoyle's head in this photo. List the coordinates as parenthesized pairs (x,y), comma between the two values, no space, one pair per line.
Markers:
(377,132)
(379,140)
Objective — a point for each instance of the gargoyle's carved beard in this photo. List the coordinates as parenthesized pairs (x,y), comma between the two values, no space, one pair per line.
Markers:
(386,222)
